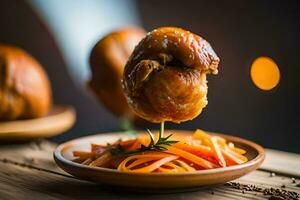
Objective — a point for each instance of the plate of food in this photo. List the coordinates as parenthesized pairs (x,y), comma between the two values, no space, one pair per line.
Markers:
(26,108)
(164,80)
(184,159)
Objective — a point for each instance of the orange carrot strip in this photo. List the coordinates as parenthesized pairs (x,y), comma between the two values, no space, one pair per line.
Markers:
(239,156)
(185,166)
(134,146)
(144,140)
(191,157)
(152,166)
(216,146)
(232,159)
(155,165)
(87,161)
(194,149)
(93,146)
(127,143)
(221,140)
(83,154)
(202,151)
(238,150)
(201,135)
(97,148)
(175,167)
(139,161)
(217,151)
(102,161)
(167,170)
(230,145)
(154,156)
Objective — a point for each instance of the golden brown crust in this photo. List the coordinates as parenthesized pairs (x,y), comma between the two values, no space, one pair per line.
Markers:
(24,87)
(107,61)
(165,77)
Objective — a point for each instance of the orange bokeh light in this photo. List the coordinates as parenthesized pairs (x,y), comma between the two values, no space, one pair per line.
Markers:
(265,73)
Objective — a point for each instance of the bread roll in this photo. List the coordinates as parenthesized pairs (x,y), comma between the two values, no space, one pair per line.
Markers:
(107,61)
(24,85)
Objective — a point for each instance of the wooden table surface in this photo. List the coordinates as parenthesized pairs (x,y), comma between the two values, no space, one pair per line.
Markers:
(28,171)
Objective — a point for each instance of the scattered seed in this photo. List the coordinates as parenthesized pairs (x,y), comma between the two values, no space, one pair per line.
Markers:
(274,193)
(276,198)
(272,174)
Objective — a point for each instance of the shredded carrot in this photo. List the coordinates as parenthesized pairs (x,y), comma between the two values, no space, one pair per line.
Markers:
(139,162)
(237,155)
(87,161)
(197,152)
(187,167)
(238,150)
(97,147)
(168,170)
(83,154)
(231,159)
(191,157)
(127,143)
(135,145)
(102,161)
(173,167)
(217,151)
(200,134)
(164,158)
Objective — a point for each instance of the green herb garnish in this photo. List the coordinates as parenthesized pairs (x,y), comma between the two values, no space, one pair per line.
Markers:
(118,150)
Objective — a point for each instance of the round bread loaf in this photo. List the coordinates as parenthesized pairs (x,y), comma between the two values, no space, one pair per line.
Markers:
(107,62)
(24,86)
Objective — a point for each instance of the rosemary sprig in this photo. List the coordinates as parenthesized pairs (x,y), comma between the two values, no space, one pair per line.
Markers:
(118,150)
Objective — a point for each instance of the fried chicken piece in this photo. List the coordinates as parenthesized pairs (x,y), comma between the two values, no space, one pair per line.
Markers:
(165,77)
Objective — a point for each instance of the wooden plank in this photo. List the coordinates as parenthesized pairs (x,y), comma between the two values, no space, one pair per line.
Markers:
(24,183)
(28,171)
(38,153)
(282,162)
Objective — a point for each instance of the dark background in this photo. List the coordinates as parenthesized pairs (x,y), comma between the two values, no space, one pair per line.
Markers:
(239,32)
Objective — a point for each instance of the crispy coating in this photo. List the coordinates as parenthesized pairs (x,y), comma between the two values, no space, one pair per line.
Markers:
(24,86)
(165,77)
(107,62)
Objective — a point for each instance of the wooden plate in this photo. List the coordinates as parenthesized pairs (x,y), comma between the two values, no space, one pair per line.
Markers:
(146,181)
(59,119)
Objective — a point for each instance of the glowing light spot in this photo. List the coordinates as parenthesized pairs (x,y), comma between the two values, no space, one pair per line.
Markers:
(265,73)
